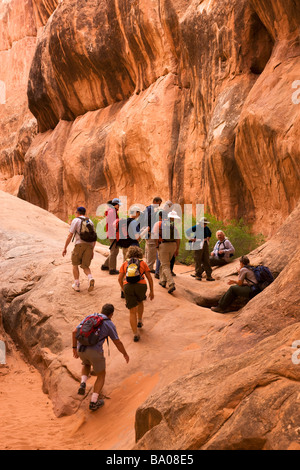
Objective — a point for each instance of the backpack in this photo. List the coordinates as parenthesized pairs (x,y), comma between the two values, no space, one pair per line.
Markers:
(133,274)
(87,231)
(169,231)
(264,278)
(88,333)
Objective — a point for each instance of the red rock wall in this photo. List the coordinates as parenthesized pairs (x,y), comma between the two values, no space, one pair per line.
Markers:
(189,100)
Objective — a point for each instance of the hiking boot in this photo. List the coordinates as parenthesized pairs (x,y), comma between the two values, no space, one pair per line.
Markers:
(198,278)
(193,275)
(152,271)
(91,285)
(95,405)
(173,274)
(113,271)
(104,268)
(136,338)
(76,287)
(210,279)
(217,310)
(81,390)
(162,284)
(171,288)
(140,324)
(156,276)
(122,295)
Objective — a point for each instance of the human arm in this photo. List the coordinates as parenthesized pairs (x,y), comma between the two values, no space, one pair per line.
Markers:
(119,345)
(74,345)
(121,280)
(68,240)
(150,280)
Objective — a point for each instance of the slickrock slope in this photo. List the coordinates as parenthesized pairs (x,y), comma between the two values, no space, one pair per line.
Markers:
(188,99)
(196,379)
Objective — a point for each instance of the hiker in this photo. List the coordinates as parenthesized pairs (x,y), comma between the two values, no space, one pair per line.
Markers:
(167,243)
(240,288)
(112,216)
(93,355)
(133,284)
(130,230)
(223,250)
(163,214)
(83,251)
(201,248)
(149,222)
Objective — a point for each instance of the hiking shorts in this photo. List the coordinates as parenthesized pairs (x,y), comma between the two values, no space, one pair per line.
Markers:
(134,294)
(82,255)
(93,357)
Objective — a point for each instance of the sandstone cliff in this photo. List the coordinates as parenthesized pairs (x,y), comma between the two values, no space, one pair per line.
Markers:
(191,100)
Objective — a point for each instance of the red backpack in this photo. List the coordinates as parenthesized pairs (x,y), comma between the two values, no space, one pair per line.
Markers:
(88,333)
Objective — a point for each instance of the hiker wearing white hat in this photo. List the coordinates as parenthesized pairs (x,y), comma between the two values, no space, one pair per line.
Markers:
(200,235)
(167,242)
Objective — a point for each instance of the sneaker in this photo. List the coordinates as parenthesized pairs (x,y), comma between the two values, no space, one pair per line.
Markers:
(217,309)
(140,324)
(113,271)
(95,405)
(193,275)
(152,271)
(81,390)
(91,285)
(156,276)
(198,278)
(104,268)
(171,289)
(76,287)
(210,279)
(136,338)
(173,274)
(162,284)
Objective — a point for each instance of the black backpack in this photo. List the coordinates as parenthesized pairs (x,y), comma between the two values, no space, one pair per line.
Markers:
(264,278)
(87,231)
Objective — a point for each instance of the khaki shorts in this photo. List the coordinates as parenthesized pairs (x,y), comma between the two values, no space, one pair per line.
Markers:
(134,294)
(93,357)
(82,255)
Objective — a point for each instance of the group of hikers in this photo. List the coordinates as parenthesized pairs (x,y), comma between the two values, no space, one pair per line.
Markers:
(157,225)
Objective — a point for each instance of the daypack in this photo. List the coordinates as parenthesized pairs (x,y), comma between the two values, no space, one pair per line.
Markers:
(87,231)
(264,278)
(167,231)
(88,333)
(133,274)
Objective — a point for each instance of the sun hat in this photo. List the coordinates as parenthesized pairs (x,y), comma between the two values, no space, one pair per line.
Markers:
(116,201)
(173,215)
(134,210)
(204,220)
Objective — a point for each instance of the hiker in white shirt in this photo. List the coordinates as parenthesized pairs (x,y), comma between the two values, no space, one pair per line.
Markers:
(223,250)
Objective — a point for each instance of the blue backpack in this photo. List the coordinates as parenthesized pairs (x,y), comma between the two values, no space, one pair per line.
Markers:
(264,278)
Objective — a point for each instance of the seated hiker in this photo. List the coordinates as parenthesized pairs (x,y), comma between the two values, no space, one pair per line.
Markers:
(223,250)
(201,248)
(83,231)
(133,284)
(88,339)
(240,288)
(167,242)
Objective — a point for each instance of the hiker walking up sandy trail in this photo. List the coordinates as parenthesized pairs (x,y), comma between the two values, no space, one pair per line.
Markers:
(88,339)
(82,229)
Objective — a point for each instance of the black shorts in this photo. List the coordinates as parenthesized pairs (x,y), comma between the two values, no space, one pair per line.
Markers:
(134,294)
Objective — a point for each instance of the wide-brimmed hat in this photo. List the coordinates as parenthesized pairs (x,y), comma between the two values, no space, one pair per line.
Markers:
(204,220)
(116,201)
(173,215)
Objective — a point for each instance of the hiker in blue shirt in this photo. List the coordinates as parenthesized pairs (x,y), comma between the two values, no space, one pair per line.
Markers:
(199,236)
(93,356)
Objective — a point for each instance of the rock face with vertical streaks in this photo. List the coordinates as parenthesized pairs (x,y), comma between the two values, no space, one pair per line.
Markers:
(191,100)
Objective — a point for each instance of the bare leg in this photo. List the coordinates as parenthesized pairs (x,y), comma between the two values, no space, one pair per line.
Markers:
(133,319)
